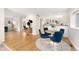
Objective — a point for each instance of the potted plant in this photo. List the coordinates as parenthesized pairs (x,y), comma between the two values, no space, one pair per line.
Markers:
(29,23)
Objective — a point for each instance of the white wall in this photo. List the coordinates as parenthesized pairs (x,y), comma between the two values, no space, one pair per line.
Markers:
(1,25)
(43,12)
(13,16)
(31,14)
(74,37)
(36,23)
(73,31)
(77,20)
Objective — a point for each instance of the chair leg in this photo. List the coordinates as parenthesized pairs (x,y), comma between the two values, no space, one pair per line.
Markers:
(61,44)
(52,44)
(48,41)
(55,46)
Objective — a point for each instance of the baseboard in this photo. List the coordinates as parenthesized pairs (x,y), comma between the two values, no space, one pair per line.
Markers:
(65,38)
(74,46)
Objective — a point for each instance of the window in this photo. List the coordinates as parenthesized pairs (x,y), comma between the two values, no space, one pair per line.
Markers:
(74,21)
(77,20)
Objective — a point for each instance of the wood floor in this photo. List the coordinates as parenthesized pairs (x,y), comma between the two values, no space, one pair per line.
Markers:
(23,41)
(20,41)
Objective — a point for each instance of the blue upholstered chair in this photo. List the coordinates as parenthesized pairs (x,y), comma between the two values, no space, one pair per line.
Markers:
(57,36)
(45,35)
(46,29)
(62,31)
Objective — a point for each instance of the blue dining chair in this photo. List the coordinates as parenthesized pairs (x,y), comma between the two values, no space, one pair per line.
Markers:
(57,36)
(62,31)
(45,35)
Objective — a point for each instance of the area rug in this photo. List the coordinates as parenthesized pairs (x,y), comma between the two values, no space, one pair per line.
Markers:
(44,46)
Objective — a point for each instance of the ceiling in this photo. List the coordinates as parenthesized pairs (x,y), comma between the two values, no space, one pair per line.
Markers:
(40,11)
